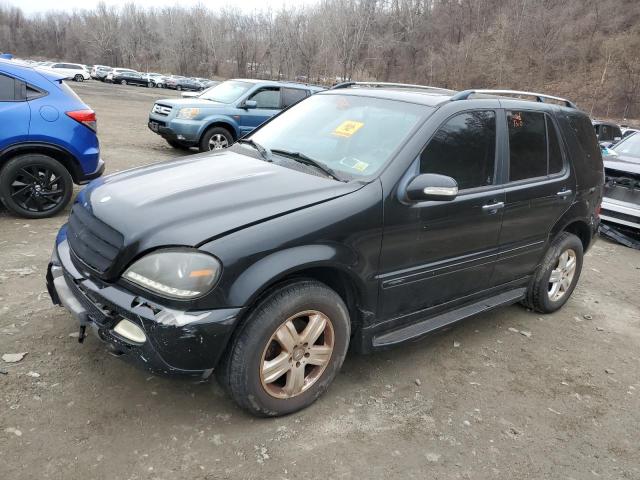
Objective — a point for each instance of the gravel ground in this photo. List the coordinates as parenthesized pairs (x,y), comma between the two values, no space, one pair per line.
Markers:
(509,394)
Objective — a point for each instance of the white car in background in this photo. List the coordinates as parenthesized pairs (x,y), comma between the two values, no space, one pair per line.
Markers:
(94,70)
(116,71)
(73,71)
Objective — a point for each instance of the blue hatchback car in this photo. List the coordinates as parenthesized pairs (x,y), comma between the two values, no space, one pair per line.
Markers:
(223,113)
(48,141)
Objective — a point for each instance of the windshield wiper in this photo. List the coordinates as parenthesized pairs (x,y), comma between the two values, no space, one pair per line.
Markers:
(263,151)
(306,160)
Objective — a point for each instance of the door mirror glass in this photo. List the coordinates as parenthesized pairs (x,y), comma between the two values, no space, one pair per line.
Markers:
(431,186)
(250,104)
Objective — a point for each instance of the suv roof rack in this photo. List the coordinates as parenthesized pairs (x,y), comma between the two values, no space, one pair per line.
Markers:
(540,97)
(390,85)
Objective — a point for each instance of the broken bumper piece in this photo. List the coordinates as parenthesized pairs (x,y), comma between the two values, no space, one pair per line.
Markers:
(161,340)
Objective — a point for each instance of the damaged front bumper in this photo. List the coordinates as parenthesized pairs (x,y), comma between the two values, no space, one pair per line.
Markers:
(160,339)
(620,212)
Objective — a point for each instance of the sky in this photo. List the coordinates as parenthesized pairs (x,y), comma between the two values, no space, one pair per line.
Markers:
(35,6)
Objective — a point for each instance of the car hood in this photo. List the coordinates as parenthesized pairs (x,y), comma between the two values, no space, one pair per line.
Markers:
(622,163)
(191,102)
(191,201)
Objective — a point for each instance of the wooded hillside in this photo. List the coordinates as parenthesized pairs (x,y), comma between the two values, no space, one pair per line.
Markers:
(587,50)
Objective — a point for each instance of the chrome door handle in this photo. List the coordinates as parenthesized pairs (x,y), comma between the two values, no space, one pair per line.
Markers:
(564,193)
(493,206)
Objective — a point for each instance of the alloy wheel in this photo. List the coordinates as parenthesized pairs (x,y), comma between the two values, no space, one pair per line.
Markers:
(37,188)
(297,354)
(562,275)
(218,142)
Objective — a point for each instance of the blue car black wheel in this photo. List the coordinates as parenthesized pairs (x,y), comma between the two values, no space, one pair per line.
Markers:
(35,186)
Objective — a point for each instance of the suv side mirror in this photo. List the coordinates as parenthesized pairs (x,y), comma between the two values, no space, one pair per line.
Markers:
(617,139)
(249,104)
(431,186)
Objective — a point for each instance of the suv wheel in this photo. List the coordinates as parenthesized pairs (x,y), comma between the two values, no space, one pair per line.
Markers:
(35,186)
(123,82)
(288,350)
(149,85)
(178,88)
(557,276)
(78,78)
(215,138)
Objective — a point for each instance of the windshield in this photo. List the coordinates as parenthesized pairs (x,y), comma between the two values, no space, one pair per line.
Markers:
(349,134)
(629,147)
(226,92)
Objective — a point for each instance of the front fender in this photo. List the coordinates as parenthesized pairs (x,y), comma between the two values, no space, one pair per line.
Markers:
(219,119)
(273,268)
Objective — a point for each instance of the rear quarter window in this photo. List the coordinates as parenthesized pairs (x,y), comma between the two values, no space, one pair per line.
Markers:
(583,130)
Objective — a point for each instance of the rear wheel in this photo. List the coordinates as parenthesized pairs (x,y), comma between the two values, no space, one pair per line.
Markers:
(78,78)
(288,351)
(35,186)
(215,138)
(149,85)
(178,88)
(557,276)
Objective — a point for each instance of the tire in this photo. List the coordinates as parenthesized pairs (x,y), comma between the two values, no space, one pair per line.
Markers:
(215,138)
(545,295)
(25,191)
(178,88)
(78,78)
(149,85)
(123,82)
(241,370)
(178,145)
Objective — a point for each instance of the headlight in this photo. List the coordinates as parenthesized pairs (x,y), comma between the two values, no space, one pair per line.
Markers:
(175,273)
(188,113)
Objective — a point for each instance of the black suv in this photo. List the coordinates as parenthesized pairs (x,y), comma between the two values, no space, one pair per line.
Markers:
(364,216)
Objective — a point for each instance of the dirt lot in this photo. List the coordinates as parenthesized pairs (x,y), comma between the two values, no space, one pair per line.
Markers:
(510,394)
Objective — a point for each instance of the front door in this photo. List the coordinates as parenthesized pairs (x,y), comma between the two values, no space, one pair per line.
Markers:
(267,105)
(437,252)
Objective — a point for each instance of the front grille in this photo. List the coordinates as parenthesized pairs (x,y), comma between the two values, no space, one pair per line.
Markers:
(160,109)
(620,216)
(95,310)
(92,241)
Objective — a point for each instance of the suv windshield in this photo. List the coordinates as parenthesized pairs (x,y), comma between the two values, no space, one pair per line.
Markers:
(226,92)
(349,134)
(629,147)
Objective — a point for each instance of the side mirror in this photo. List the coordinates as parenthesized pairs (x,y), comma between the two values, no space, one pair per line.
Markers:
(249,104)
(617,139)
(431,186)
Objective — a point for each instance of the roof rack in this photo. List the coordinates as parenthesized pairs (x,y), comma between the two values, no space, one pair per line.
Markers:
(540,97)
(390,85)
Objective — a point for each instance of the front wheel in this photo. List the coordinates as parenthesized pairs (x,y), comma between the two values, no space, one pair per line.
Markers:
(123,82)
(78,78)
(35,186)
(288,350)
(215,138)
(557,276)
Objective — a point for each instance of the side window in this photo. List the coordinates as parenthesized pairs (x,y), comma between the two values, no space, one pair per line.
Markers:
(616,133)
(291,96)
(555,153)
(527,145)
(267,98)
(584,132)
(464,148)
(7,89)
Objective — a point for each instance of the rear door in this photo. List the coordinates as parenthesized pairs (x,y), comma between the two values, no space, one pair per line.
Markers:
(15,113)
(268,104)
(540,187)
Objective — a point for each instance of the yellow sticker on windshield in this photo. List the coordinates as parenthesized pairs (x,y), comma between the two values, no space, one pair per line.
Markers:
(348,128)
(361,166)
